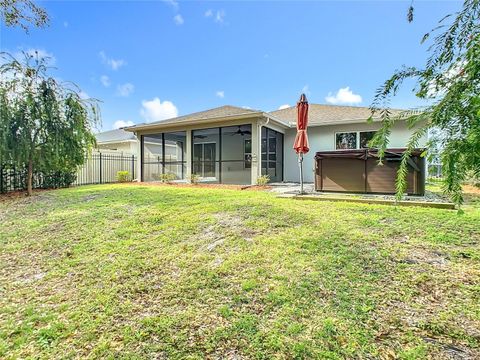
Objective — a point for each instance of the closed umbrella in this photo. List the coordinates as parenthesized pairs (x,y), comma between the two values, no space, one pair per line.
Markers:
(301,140)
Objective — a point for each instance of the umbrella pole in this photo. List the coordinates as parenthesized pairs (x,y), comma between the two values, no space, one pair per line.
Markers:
(300,163)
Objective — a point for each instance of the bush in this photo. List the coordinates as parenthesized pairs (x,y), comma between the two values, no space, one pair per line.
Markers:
(194,178)
(57,179)
(167,178)
(123,176)
(263,180)
(14,178)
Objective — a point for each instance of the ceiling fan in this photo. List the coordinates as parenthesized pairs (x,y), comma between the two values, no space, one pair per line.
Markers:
(241,132)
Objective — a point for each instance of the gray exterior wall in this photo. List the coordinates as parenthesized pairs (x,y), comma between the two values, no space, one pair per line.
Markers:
(322,138)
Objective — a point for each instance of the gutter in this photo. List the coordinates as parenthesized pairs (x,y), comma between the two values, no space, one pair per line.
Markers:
(115,141)
(161,125)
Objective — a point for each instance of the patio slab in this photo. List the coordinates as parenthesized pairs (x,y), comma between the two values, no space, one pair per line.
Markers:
(292,190)
(431,204)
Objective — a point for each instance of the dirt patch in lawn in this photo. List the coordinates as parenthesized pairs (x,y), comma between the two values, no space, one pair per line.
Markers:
(92,197)
(226,226)
(425,256)
(20,197)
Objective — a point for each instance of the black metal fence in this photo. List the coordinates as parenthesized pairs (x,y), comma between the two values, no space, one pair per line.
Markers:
(435,171)
(98,168)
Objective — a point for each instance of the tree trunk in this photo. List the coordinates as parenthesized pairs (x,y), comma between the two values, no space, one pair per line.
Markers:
(30,177)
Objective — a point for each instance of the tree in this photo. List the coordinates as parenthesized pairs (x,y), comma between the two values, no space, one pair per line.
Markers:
(22,12)
(450,82)
(45,125)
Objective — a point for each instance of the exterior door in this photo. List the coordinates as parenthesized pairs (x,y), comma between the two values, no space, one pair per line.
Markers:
(204,159)
(272,154)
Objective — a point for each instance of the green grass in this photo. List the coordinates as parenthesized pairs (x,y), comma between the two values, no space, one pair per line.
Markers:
(125,271)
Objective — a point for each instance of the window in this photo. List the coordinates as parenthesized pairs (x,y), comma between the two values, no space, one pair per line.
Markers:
(353,140)
(365,137)
(346,140)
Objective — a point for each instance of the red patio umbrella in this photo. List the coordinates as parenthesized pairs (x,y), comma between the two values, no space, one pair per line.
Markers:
(301,140)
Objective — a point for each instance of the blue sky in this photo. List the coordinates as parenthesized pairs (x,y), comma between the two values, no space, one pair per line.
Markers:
(150,60)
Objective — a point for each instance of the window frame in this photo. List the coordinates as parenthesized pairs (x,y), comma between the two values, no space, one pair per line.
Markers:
(357,138)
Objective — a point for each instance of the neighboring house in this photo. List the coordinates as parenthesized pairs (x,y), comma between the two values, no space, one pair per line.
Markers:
(119,140)
(234,145)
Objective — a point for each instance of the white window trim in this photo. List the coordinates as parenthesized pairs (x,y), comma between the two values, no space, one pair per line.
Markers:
(351,131)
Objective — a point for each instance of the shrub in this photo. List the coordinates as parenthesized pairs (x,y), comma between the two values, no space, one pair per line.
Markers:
(14,178)
(123,176)
(263,180)
(194,178)
(167,178)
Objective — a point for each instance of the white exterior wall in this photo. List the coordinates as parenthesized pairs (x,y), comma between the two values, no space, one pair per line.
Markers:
(129,147)
(322,138)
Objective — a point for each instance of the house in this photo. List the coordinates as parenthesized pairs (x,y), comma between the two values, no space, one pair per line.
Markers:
(234,145)
(117,140)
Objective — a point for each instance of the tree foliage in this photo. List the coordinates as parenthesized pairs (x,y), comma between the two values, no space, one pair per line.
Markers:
(45,125)
(22,13)
(450,83)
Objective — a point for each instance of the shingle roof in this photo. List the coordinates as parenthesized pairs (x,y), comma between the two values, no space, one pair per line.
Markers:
(219,112)
(319,114)
(115,136)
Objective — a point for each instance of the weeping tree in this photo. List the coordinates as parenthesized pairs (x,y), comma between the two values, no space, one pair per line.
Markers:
(45,125)
(450,84)
(22,13)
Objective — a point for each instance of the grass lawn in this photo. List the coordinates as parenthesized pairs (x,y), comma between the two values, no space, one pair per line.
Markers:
(128,271)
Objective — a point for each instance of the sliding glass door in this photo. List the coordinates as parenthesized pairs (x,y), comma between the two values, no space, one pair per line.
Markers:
(204,159)
(223,155)
(205,154)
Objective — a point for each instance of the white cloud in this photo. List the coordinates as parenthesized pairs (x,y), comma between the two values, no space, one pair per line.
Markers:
(83,95)
(156,110)
(105,80)
(172,3)
(114,64)
(218,16)
(448,78)
(285,106)
(306,90)
(247,107)
(65,24)
(125,89)
(344,96)
(220,94)
(178,19)
(40,53)
(122,123)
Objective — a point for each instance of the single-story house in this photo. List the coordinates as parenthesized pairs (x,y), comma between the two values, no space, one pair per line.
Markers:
(117,140)
(234,145)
